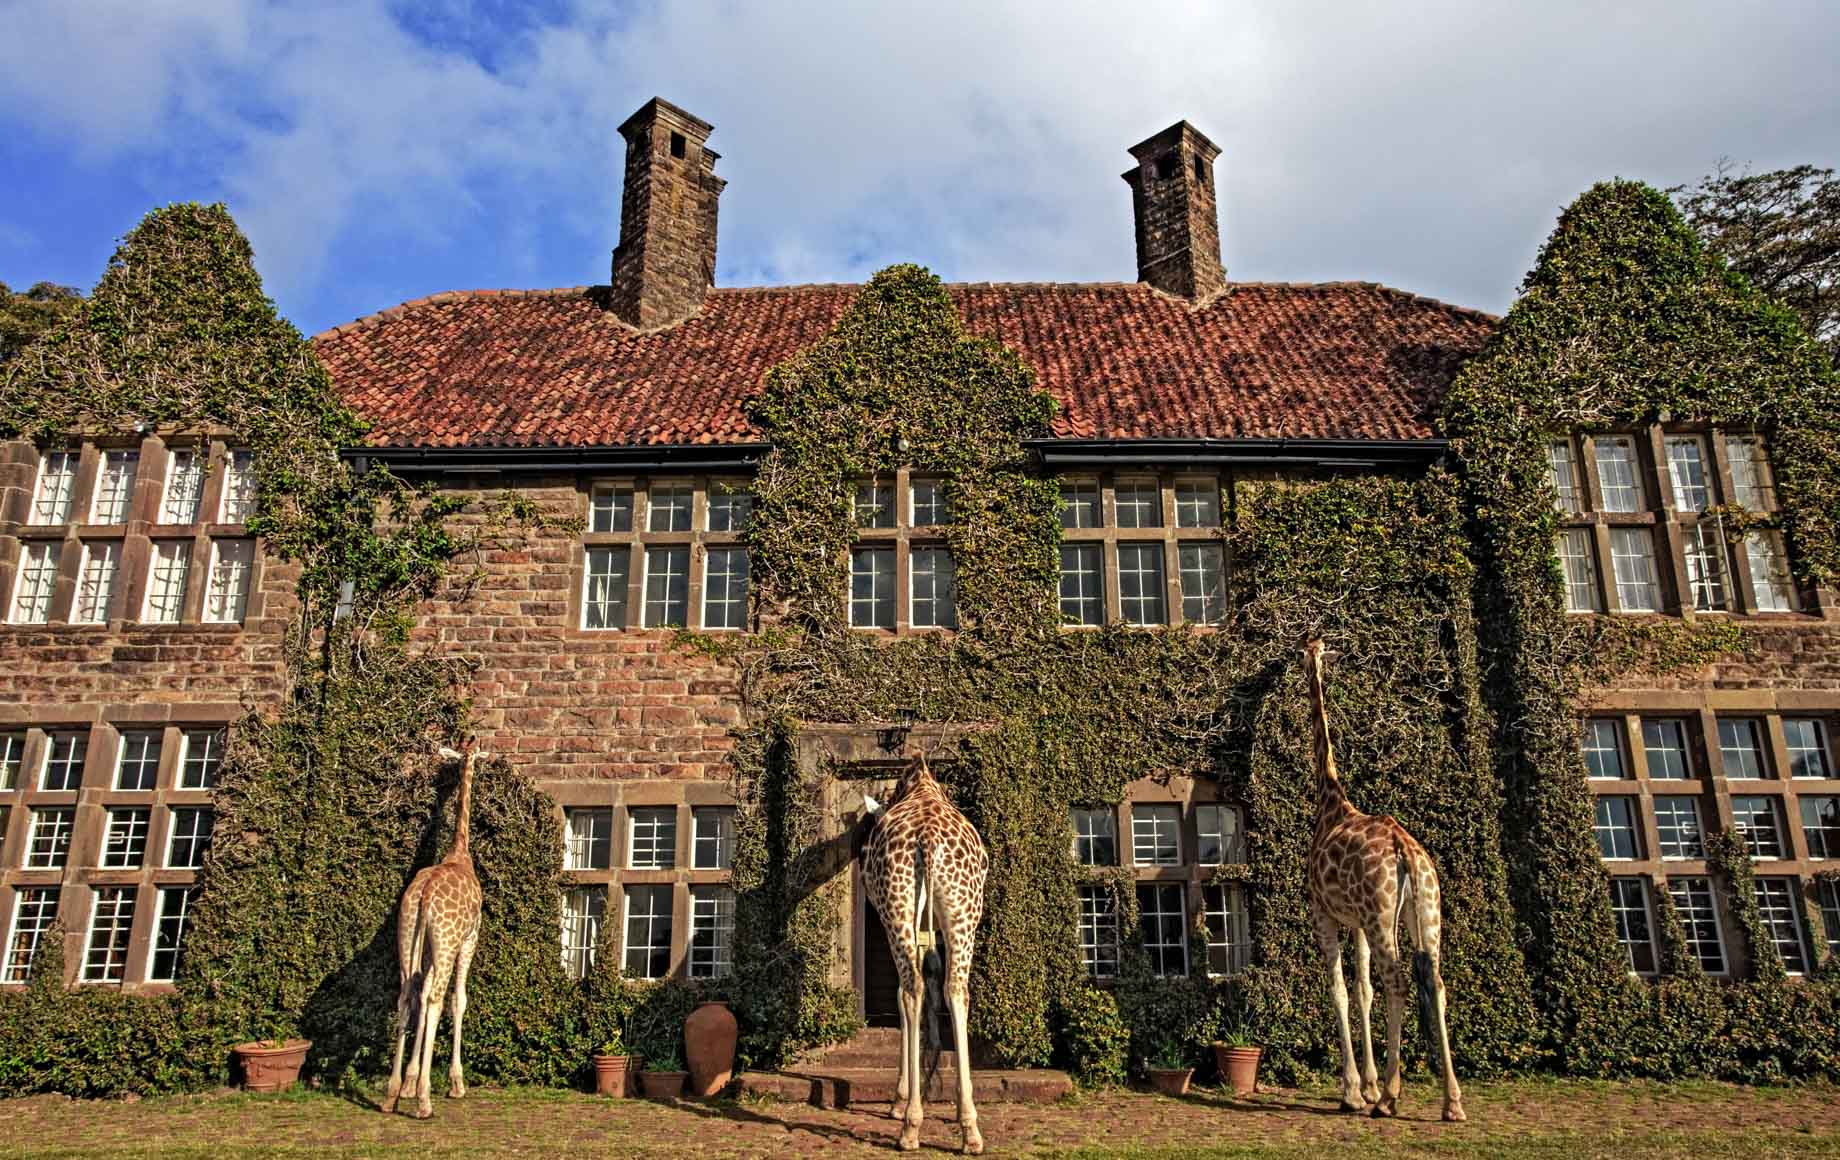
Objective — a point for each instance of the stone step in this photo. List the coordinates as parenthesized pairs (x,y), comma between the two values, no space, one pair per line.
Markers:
(872,1047)
(848,1087)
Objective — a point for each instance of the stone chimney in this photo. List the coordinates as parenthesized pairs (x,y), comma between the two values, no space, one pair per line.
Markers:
(1178,219)
(666,258)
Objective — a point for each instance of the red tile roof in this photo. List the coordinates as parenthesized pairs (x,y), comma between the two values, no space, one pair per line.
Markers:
(551,367)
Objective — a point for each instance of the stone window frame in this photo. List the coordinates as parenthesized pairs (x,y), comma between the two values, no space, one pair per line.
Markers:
(1659,512)
(1713,791)
(76,538)
(1107,535)
(903,537)
(635,540)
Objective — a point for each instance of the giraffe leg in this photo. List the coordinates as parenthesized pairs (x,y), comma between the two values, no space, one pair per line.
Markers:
(903,1079)
(1393,979)
(431,1026)
(959,936)
(409,934)
(1427,937)
(456,1078)
(913,994)
(1329,938)
(1364,1002)
(405,996)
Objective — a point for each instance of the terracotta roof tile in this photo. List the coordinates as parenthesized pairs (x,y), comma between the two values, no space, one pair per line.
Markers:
(552,367)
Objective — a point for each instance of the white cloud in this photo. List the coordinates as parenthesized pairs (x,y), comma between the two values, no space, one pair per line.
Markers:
(1427,147)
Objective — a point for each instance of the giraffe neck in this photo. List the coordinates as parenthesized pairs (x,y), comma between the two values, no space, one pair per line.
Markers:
(1331,801)
(463,829)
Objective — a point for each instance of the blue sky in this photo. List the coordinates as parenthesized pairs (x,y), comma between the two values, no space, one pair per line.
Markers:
(379,151)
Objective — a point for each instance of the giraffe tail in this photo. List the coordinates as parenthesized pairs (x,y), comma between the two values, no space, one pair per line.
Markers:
(1424,975)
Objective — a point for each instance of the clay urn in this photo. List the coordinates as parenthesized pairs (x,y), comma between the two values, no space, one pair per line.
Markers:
(709,1047)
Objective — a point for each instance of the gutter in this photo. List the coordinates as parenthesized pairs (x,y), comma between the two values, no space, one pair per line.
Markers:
(480,460)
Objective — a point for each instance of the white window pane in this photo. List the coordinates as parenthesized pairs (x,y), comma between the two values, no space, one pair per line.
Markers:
(1082,584)
(57,484)
(189,838)
(169,933)
(1741,748)
(1664,741)
(603,597)
(935,588)
(1821,827)
(874,505)
(582,911)
(1095,836)
(1563,475)
(167,575)
(669,507)
(34,913)
(1629,903)
(1704,550)
(1139,504)
(48,841)
(1198,505)
(138,765)
(1779,905)
(36,582)
(105,952)
(1677,826)
(1229,933)
(652,838)
(185,470)
(929,503)
(1080,505)
(712,931)
(667,587)
(1750,472)
(114,487)
(730,508)
(12,759)
(1098,932)
(1806,740)
(712,838)
(1758,821)
(610,510)
(1693,902)
(202,756)
(590,840)
(239,498)
(872,588)
(227,597)
(1615,825)
(1771,586)
(648,932)
(1141,590)
(96,578)
(725,588)
(1578,559)
(1204,586)
(1156,835)
(1632,552)
(1603,748)
(1687,469)
(65,755)
(1162,917)
(1616,474)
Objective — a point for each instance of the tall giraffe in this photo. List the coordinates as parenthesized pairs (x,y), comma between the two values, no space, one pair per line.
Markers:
(1367,873)
(437,931)
(924,861)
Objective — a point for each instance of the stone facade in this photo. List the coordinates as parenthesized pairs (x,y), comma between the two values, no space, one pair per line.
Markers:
(666,258)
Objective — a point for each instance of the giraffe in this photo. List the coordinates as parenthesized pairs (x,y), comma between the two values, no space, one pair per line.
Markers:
(1365,875)
(924,861)
(437,931)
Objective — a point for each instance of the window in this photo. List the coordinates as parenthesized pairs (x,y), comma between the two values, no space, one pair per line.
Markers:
(114,487)
(1080,505)
(1616,828)
(1704,549)
(1616,474)
(1098,932)
(105,953)
(1632,556)
(1664,742)
(1141,591)
(1603,748)
(712,931)
(668,507)
(874,504)
(1082,584)
(12,759)
(1155,835)
(872,588)
(125,847)
(1229,935)
(65,754)
(1750,472)
(712,839)
(582,910)
(1577,556)
(935,587)
(101,564)
(184,486)
(138,767)
(1218,837)
(648,932)
(610,509)
(929,501)
(1741,747)
(1198,505)
(590,840)
(1629,903)
(1686,456)
(201,754)
(239,501)
(1139,504)
(730,508)
(190,838)
(1781,912)
(169,932)
(1757,822)
(48,847)
(1821,826)
(1163,921)
(1095,836)
(34,913)
(603,596)
(1204,592)
(1805,738)
(36,582)
(1677,827)
(1699,918)
(667,587)
(725,588)
(167,575)
(1772,588)
(1828,891)
(227,598)
(652,838)
(1562,467)
(57,484)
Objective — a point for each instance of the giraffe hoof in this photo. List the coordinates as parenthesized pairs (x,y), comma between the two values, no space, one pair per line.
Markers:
(457,1092)
(1353,1108)
(910,1138)
(974,1142)
(1453,1113)
(424,1111)
(1385,1110)
(388,1107)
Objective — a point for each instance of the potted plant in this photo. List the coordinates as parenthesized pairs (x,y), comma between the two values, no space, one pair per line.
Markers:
(1237,1057)
(1169,1069)
(613,1068)
(664,1076)
(272,1064)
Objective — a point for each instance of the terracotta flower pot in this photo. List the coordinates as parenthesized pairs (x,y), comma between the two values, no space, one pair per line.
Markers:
(612,1074)
(268,1067)
(1171,1081)
(663,1085)
(709,1045)
(1239,1066)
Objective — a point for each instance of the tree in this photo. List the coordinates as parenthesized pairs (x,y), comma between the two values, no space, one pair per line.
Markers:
(23,316)
(1782,231)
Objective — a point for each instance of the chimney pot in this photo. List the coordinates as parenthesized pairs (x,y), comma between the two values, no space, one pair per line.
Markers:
(666,259)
